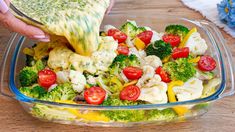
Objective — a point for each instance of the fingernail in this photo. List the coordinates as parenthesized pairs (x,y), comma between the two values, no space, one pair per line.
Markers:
(3,7)
(39,36)
(44,40)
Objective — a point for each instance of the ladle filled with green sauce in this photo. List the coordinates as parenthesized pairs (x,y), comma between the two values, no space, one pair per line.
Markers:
(77,20)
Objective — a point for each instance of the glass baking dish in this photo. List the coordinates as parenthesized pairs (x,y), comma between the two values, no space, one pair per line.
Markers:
(81,114)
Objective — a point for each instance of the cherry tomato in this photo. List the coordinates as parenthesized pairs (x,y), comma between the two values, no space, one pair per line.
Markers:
(123,49)
(46,78)
(174,40)
(163,74)
(130,93)
(145,36)
(132,73)
(180,53)
(206,63)
(117,35)
(94,95)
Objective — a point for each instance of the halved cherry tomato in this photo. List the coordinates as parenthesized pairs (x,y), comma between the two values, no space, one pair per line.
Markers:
(94,95)
(123,49)
(46,78)
(117,35)
(132,73)
(130,93)
(180,53)
(174,40)
(206,63)
(163,74)
(145,36)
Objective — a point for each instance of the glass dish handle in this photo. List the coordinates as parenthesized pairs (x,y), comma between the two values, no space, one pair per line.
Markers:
(5,64)
(229,64)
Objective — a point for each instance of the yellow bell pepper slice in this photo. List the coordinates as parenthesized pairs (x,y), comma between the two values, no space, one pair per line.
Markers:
(139,44)
(166,59)
(180,110)
(130,83)
(193,30)
(194,60)
(28,51)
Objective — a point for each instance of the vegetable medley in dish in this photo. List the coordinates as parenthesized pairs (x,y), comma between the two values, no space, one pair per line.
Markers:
(133,65)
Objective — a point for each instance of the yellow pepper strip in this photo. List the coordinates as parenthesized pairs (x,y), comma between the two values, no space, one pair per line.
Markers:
(193,30)
(130,83)
(87,86)
(89,116)
(139,44)
(28,51)
(194,60)
(180,110)
(166,59)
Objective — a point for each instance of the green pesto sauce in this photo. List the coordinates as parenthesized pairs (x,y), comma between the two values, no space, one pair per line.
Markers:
(78,20)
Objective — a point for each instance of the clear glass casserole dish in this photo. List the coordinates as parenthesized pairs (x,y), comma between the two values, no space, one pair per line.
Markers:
(92,115)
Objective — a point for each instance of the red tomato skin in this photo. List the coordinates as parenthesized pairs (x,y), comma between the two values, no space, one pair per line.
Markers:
(133,73)
(117,35)
(180,53)
(163,74)
(206,63)
(174,40)
(130,93)
(145,36)
(94,95)
(122,49)
(46,78)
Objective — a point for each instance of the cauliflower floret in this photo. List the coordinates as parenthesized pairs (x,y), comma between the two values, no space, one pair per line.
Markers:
(148,73)
(78,80)
(91,80)
(82,63)
(153,61)
(155,36)
(129,42)
(103,59)
(196,44)
(107,27)
(191,89)
(59,57)
(140,54)
(108,43)
(154,91)
(62,76)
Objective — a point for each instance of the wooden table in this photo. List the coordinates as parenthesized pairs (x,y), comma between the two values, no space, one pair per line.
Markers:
(220,118)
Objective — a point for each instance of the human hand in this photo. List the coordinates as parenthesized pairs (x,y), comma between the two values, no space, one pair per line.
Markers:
(8,20)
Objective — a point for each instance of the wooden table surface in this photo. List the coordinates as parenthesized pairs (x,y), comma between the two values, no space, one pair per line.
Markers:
(220,118)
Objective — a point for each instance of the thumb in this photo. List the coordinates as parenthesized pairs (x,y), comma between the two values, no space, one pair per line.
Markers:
(16,25)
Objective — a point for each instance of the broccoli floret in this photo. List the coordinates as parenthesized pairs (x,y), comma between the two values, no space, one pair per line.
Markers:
(122,115)
(159,48)
(180,69)
(166,114)
(35,92)
(50,113)
(129,28)
(122,61)
(61,92)
(28,75)
(140,30)
(179,30)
